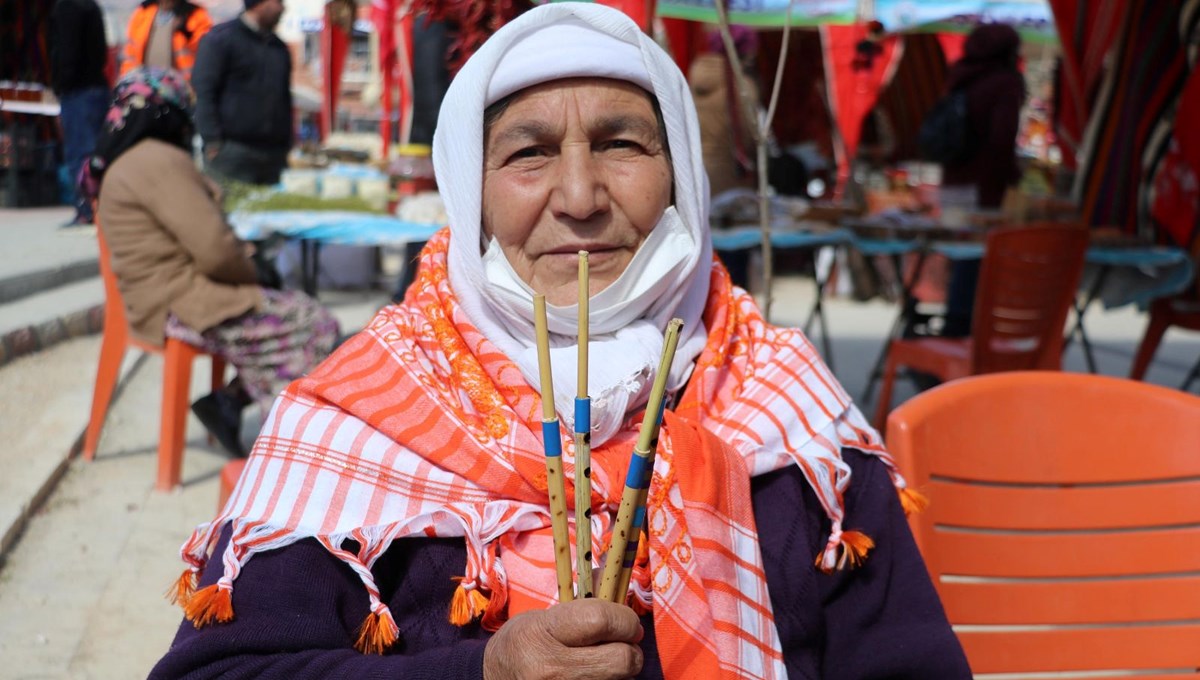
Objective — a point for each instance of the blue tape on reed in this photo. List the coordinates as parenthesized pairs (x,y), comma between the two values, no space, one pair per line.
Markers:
(550,438)
(638,476)
(583,415)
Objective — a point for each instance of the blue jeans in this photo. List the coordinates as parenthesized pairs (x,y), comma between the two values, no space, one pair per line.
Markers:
(82,116)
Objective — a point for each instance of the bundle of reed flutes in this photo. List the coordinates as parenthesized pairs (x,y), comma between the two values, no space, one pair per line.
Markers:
(631,514)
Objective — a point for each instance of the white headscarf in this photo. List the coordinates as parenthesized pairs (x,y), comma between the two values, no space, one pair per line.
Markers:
(669,275)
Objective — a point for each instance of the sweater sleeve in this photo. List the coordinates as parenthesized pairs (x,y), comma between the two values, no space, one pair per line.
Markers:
(884,619)
(296,614)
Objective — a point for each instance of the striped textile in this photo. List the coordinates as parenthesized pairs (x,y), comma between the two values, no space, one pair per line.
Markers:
(1127,132)
(418,426)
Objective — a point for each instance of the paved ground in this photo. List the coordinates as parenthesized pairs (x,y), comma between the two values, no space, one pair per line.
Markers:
(81,589)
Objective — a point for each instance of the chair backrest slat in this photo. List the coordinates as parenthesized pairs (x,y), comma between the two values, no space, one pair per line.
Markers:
(1026,283)
(1063,533)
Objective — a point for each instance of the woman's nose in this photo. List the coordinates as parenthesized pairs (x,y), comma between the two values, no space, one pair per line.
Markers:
(581,192)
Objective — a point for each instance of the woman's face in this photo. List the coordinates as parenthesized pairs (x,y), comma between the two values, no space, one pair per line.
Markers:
(574,165)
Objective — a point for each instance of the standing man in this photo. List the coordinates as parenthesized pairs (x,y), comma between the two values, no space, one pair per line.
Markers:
(165,34)
(243,89)
(78,53)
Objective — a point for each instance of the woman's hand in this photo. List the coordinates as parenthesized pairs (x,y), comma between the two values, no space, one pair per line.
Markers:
(588,639)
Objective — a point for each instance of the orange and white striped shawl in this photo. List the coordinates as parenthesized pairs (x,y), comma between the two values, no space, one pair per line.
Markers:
(418,426)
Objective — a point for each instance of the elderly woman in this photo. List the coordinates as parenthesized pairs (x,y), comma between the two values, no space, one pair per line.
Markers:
(181,270)
(392,520)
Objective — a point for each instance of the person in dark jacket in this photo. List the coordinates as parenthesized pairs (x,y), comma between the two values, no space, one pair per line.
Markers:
(995,93)
(78,53)
(242,80)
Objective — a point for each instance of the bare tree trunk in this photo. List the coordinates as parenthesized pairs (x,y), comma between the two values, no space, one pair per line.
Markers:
(760,130)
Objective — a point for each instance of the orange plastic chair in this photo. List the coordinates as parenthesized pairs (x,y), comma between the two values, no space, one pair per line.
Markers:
(229,479)
(177,376)
(1063,531)
(1182,311)
(1026,285)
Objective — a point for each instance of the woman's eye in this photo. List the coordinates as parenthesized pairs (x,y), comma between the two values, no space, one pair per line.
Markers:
(527,152)
(620,144)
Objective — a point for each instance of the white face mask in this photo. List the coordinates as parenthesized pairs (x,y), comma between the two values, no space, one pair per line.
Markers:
(666,249)
(625,343)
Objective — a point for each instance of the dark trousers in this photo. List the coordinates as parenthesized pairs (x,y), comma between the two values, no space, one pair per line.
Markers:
(82,116)
(249,164)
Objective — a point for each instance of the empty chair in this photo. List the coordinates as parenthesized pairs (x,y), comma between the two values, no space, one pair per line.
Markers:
(1026,286)
(1063,531)
(1182,311)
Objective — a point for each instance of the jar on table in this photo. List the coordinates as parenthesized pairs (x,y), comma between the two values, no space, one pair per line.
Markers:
(412,170)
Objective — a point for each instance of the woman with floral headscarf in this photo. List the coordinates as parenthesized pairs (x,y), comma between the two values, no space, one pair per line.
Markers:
(181,270)
(392,520)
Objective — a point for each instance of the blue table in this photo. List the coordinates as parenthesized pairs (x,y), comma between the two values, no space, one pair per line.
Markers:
(746,237)
(1115,276)
(313,228)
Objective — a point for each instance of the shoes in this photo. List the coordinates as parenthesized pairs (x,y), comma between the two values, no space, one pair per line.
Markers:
(221,415)
(80,225)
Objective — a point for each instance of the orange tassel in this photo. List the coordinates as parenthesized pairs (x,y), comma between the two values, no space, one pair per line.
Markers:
(855,546)
(377,633)
(478,601)
(182,590)
(913,501)
(460,607)
(209,604)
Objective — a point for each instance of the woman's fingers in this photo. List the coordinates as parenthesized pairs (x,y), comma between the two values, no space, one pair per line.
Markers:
(591,622)
(588,639)
(610,661)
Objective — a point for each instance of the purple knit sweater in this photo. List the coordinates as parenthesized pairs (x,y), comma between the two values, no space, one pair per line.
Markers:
(297,609)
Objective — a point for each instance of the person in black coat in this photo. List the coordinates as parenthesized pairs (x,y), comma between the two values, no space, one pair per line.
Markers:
(78,53)
(242,80)
(995,92)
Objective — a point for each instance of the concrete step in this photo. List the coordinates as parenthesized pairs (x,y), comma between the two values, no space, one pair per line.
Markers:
(18,286)
(40,320)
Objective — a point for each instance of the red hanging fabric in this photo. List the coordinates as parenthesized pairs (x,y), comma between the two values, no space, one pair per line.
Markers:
(383,17)
(641,11)
(856,69)
(335,43)
(952,45)
(1086,32)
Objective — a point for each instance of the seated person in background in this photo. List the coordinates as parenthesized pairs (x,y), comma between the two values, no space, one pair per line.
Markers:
(405,478)
(181,270)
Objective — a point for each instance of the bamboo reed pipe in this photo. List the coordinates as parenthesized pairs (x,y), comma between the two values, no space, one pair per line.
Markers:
(552,443)
(631,514)
(583,443)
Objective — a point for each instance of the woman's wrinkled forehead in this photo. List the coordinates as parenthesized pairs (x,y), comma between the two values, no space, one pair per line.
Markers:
(567,49)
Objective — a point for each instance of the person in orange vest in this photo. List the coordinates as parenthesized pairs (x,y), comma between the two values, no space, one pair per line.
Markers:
(165,34)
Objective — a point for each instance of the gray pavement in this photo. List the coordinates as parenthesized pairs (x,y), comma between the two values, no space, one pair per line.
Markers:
(82,578)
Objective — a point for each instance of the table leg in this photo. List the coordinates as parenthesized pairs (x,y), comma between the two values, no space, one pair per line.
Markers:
(309,266)
(903,321)
(818,313)
(1191,376)
(1080,311)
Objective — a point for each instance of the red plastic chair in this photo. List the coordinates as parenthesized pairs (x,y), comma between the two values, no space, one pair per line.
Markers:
(1182,311)
(1063,531)
(177,376)
(1026,286)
